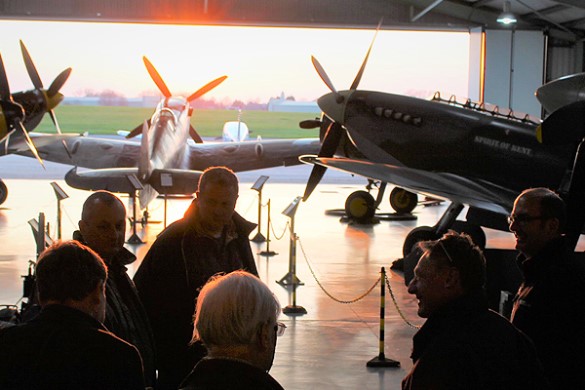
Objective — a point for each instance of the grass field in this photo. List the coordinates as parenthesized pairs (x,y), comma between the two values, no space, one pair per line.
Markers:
(209,123)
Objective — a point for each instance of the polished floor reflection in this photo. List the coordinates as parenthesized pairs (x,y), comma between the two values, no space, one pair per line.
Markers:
(329,346)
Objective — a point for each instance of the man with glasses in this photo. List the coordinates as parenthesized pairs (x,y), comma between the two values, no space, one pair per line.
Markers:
(463,344)
(549,305)
(236,319)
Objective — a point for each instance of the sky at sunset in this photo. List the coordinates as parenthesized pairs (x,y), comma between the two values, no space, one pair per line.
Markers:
(259,62)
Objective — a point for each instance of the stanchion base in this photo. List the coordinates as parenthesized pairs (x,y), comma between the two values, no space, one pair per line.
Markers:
(290,279)
(258,238)
(294,310)
(267,253)
(134,239)
(381,361)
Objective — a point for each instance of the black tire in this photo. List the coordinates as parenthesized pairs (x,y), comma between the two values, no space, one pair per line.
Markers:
(474,231)
(416,235)
(402,201)
(360,206)
(3,192)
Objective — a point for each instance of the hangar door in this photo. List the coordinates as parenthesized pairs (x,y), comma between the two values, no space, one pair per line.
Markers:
(506,68)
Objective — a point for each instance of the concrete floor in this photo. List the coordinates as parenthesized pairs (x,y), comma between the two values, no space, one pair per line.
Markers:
(328,347)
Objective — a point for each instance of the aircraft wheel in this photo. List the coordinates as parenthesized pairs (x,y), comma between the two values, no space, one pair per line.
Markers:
(3,192)
(360,206)
(416,235)
(474,231)
(402,201)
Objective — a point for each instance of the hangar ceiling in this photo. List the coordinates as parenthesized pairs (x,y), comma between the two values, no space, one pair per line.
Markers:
(563,19)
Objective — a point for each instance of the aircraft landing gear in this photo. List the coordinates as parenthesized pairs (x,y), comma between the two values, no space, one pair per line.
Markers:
(447,222)
(402,201)
(3,191)
(360,206)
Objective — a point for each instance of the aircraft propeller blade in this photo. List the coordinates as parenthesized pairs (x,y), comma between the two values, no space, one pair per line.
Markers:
(360,73)
(206,88)
(30,144)
(328,148)
(58,82)
(137,130)
(30,67)
(565,125)
(155,76)
(194,135)
(4,86)
(321,71)
(54,119)
(310,124)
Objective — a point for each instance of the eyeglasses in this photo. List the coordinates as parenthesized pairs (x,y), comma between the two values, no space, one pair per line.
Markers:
(446,253)
(279,328)
(523,219)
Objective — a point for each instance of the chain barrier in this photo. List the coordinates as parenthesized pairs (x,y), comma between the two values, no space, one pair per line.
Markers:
(397,307)
(276,236)
(323,288)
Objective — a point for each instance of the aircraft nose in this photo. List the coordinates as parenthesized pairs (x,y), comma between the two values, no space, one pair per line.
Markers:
(333,105)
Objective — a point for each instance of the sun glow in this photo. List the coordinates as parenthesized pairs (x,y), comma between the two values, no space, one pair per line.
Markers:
(260,62)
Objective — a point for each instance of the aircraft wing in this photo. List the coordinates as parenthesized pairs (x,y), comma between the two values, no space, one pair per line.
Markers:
(175,181)
(17,143)
(252,154)
(480,194)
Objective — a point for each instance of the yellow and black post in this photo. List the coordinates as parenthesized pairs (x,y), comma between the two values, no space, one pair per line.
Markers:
(381,360)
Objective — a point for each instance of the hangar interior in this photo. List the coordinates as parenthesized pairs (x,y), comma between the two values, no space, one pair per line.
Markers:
(508,63)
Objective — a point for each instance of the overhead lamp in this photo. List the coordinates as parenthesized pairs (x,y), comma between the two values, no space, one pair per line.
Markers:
(507,17)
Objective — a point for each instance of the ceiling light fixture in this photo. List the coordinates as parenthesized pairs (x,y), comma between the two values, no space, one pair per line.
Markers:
(507,17)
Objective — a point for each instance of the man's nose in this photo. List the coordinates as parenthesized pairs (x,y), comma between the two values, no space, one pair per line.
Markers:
(412,287)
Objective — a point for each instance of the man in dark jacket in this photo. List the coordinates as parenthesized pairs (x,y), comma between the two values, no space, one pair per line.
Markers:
(103,228)
(66,346)
(236,319)
(210,238)
(549,305)
(463,344)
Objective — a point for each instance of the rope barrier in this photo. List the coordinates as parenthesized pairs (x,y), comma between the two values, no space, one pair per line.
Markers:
(396,305)
(323,288)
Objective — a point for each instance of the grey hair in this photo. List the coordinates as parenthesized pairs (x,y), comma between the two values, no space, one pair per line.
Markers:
(231,308)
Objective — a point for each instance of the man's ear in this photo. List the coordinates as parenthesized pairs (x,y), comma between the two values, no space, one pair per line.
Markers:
(82,226)
(453,278)
(263,337)
(553,225)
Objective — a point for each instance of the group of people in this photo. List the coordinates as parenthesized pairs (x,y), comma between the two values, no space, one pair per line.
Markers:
(464,345)
(196,315)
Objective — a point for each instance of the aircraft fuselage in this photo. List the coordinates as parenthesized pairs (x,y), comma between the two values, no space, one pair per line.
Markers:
(433,136)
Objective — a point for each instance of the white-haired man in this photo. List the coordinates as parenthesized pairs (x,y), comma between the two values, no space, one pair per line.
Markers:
(236,319)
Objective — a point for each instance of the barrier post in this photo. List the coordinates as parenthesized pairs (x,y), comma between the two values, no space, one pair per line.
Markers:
(268,252)
(258,185)
(291,278)
(381,360)
(60,194)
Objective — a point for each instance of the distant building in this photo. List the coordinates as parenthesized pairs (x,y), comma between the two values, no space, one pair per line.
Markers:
(280,104)
(145,101)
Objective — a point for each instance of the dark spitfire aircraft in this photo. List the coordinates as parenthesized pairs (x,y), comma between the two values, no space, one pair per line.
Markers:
(21,112)
(461,152)
(164,162)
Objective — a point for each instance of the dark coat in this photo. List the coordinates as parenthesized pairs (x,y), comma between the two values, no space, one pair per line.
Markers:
(227,374)
(467,346)
(125,315)
(64,348)
(178,264)
(550,308)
